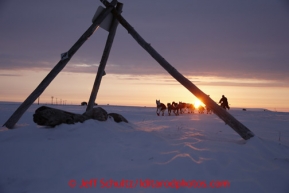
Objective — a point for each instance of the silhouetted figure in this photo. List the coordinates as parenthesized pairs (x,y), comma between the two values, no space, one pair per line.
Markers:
(224,102)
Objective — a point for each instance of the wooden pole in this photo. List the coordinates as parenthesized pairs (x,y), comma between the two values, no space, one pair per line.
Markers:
(242,130)
(59,66)
(104,59)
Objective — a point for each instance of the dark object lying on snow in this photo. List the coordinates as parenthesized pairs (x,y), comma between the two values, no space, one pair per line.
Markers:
(83,104)
(47,116)
(117,117)
(51,117)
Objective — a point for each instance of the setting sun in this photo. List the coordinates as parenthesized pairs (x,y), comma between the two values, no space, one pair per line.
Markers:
(197,103)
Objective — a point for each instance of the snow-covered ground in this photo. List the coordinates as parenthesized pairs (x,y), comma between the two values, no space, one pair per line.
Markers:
(186,153)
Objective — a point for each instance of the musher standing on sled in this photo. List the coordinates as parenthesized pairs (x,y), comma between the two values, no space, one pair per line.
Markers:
(224,102)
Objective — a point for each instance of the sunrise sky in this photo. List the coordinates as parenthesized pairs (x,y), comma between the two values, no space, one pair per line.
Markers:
(236,48)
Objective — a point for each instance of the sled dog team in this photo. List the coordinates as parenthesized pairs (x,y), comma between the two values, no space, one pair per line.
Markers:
(179,108)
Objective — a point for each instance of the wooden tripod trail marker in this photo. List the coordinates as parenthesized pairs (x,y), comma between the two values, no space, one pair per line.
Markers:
(242,130)
(59,66)
(104,58)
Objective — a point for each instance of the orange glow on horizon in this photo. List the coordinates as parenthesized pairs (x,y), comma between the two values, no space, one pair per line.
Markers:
(74,88)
